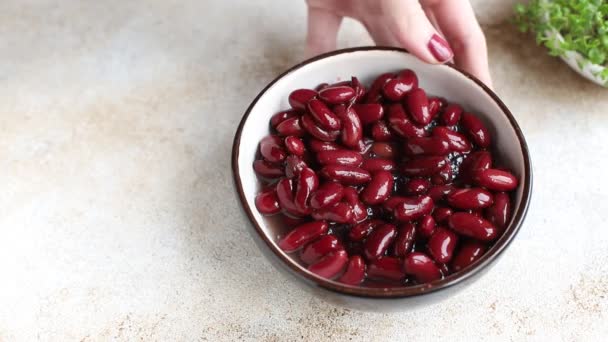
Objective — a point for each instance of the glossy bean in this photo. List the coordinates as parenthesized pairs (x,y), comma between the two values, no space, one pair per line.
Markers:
(315,250)
(300,97)
(405,239)
(423,166)
(444,176)
(340,157)
(499,213)
(384,150)
(396,88)
(495,180)
(268,170)
(303,234)
(472,226)
(378,189)
(457,141)
(418,106)
(361,230)
(439,192)
(369,112)
(346,175)
(294,145)
(435,106)
(327,195)
(470,198)
(337,95)
(359,209)
(386,268)
(479,160)
(417,186)
(441,245)
(311,127)
(291,126)
(317,146)
(267,202)
(330,265)
(340,213)
(476,129)
(468,253)
(359,89)
(271,148)
(355,271)
(451,115)
(426,146)
(285,195)
(400,123)
(378,242)
(374,93)
(279,117)
(352,130)
(413,208)
(307,184)
(426,226)
(381,132)
(441,214)
(376,164)
(392,202)
(323,116)
(422,267)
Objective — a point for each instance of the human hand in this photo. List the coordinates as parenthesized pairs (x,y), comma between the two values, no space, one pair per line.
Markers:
(414,25)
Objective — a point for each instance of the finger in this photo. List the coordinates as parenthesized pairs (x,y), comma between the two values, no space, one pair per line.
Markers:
(413,31)
(322,33)
(457,20)
(381,34)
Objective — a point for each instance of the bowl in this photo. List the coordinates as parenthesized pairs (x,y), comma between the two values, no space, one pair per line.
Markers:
(366,63)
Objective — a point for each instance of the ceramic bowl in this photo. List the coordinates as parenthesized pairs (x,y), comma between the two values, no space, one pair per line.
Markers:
(366,63)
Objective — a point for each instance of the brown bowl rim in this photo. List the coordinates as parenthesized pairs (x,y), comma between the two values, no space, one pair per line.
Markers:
(396,292)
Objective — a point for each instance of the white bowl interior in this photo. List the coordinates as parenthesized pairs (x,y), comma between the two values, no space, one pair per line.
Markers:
(439,80)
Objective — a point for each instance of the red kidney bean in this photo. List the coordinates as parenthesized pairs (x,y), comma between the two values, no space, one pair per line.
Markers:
(435,105)
(380,131)
(359,210)
(479,160)
(355,271)
(418,106)
(470,198)
(327,195)
(346,175)
(423,166)
(444,175)
(286,198)
(340,157)
(291,126)
(426,226)
(293,166)
(409,76)
(457,141)
(279,117)
(307,184)
(358,87)
(495,180)
(361,230)
(324,117)
(451,115)
(441,214)
(337,95)
(302,235)
(499,213)
(393,201)
(375,164)
(441,245)
(319,248)
(369,112)
(311,127)
(300,97)
(439,192)
(417,186)
(266,169)
(421,267)
(476,130)
(294,145)
(388,268)
(340,213)
(413,208)
(384,150)
(405,240)
(469,252)
(427,146)
(473,226)
(352,131)
(378,189)
(379,241)
(271,149)
(267,202)
(364,145)
(373,95)
(396,88)
(401,124)
(330,265)
(317,145)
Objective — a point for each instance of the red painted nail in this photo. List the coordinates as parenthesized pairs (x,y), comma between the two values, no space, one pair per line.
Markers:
(440,49)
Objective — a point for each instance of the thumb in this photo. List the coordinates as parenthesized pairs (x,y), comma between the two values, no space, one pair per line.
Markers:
(414,32)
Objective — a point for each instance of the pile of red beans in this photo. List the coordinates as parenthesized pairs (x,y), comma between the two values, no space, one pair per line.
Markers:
(383,186)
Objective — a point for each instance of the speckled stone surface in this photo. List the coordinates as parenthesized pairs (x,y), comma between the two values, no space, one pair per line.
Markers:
(118,219)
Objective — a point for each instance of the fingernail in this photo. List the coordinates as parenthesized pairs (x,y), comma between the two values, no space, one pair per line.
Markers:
(440,49)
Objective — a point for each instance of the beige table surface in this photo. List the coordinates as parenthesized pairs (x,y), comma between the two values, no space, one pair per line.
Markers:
(117,214)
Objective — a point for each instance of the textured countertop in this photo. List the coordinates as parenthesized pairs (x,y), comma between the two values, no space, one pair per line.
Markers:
(117,213)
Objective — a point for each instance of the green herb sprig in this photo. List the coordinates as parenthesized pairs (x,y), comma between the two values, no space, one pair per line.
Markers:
(583,24)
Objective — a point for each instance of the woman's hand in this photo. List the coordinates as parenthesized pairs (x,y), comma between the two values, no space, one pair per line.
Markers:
(414,25)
